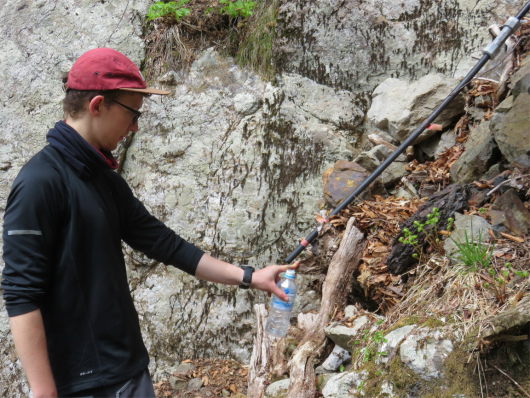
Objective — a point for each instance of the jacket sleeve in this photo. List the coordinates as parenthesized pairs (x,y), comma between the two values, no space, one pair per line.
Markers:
(34,209)
(144,232)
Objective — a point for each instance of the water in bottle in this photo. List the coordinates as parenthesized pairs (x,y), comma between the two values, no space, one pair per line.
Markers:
(280,312)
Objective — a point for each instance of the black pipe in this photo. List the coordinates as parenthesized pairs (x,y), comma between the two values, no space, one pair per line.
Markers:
(489,52)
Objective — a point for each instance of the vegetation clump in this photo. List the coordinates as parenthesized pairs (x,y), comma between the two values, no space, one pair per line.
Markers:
(174,32)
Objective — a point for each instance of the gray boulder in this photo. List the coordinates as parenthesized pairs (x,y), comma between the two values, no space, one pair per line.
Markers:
(482,152)
(511,129)
(474,227)
(399,107)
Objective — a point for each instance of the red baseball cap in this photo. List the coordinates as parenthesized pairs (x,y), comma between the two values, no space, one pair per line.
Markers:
(107,69)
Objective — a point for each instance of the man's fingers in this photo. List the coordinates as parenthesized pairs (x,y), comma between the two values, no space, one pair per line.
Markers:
(284,268)
(280,293)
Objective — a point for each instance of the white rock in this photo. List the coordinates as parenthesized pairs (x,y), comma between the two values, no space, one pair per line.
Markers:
(344,384)
(424,352)
(277,389)
(337,357)
(394,338)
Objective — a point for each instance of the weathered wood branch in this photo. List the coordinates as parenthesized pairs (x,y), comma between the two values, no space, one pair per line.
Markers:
(260,361)
(334,293)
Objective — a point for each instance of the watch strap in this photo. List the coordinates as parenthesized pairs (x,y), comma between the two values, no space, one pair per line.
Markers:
(247,276)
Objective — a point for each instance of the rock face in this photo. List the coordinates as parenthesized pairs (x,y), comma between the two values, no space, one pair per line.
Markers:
(230,162)
(357,45)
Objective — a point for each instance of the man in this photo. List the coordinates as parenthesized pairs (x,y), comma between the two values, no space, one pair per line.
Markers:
(72,317)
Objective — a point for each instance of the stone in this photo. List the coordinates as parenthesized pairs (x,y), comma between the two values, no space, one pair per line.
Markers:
(341,385)
(344,336)
(406,191)
(342,179)
(474,227)
(520,80)
(512,213)
(493,172)
(178,383)
(373,158)
(394,173)
(477,159)
(511,129)
(195,384)
(424,352)
(399,115)
(278,389)
(337,357)
(394,339)
(522,162)
(438,143)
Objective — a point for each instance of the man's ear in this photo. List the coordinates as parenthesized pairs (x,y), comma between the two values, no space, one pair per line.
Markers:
(95,105)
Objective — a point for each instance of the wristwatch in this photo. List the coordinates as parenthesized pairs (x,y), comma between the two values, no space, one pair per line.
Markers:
(247,276)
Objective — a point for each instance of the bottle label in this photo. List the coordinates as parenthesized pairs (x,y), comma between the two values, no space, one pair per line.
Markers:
(283,305)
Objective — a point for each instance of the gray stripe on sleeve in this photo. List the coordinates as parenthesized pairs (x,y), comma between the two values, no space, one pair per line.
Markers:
(24,232)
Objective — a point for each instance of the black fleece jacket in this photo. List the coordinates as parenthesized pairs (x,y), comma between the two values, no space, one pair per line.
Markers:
(65,219)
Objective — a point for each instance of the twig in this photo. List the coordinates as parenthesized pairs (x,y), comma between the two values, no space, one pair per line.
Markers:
(498,186)
(508,376)
(487,79)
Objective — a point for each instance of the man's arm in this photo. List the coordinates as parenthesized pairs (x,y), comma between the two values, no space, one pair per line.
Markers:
(30,342)
(213,270)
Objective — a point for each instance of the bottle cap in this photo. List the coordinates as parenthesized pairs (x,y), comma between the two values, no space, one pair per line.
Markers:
(289,273)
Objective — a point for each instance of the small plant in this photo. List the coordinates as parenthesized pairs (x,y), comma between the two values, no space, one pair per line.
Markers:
(471,254)
(161,9)
(430,229)
(499,279)
(239,8)
(361,385)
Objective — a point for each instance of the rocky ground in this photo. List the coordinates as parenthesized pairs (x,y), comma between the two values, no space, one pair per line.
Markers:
(205,378)
(417,315)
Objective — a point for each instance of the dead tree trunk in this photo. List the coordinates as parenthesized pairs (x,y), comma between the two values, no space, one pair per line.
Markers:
(260,362)
(334,292)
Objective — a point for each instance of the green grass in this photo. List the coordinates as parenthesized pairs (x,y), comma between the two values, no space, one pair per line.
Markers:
(255,49)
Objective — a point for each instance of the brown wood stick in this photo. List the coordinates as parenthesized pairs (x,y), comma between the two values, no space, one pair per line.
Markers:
(508,376)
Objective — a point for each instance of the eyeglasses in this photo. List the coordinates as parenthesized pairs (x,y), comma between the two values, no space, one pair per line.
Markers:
(138,114)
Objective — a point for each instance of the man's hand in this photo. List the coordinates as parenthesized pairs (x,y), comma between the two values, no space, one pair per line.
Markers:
(213,270)
(266,279)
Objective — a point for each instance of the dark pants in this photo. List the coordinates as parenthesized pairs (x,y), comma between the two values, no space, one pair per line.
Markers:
(139,386)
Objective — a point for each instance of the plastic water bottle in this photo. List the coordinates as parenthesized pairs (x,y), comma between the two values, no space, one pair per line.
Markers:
(280,313)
